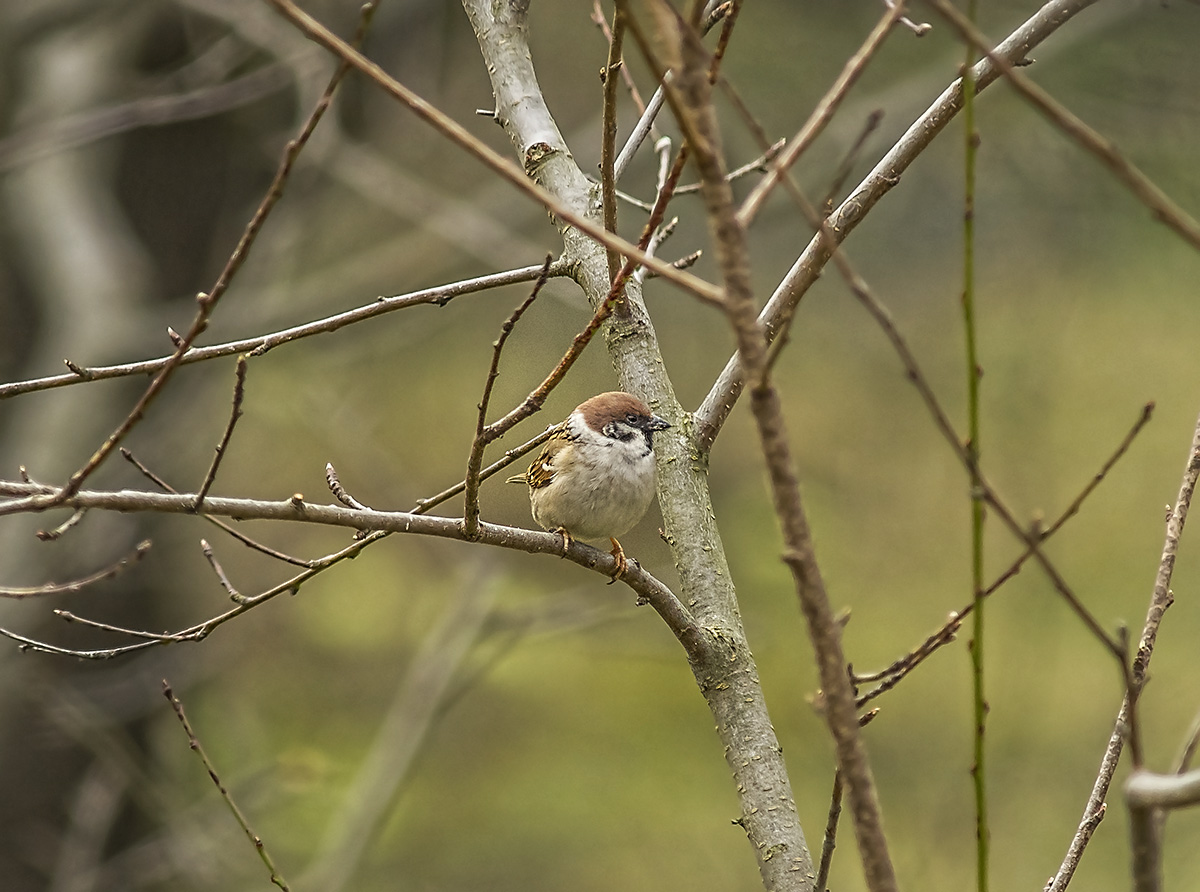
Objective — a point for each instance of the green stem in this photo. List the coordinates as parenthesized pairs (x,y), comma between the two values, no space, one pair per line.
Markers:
(978,772)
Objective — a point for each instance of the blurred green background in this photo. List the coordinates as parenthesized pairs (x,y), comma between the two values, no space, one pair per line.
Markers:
(572,749)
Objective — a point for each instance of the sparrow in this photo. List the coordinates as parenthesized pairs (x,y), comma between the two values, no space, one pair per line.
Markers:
(594,478)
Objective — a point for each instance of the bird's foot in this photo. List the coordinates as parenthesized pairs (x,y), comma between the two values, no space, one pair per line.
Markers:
(566,539)
(618,554)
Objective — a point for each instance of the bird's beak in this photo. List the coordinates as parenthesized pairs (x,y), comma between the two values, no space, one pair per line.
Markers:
(657,424)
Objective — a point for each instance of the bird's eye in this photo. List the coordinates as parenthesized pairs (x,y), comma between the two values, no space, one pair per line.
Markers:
(631,418)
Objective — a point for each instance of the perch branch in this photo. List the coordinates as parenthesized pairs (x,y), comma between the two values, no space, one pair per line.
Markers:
(648,589)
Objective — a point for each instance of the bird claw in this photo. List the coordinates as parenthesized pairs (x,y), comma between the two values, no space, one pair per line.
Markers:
(566,540)
(622,563)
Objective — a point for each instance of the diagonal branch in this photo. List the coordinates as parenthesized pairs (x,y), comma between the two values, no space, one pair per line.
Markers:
(1142,187)
(535,155)
(207,302)
(690,96)
(776,315)
(1160,600)
(485,433)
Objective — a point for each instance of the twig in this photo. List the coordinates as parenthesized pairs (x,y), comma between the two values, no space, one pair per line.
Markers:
(508,458)
(235,412)
(234,595)
(535,155)
(1073,508)
(220,524)
(849,160)
(194,744)
(895,673)
(758,165)
(537,397)
(1160,600)
(260,344)
(485,434)
(820,116)
(661,234)
(1184,760)
(677,617)
(602,23)
(829,842)
(946,633)
(207,302)
(777,314)
(75,585)
(1143,188)
(339,491)
(65,526)
(608,136)
(691,100)
(920,30)
(713,13)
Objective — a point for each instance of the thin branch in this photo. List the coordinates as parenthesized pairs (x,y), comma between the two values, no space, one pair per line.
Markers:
(194,744)
(919,30)
(67,525)
(1143,188)
(777,314)
(760,164)
(339,491)
(537,397)
(821,115)
(1160,600)
(207,302)
(234,595)
(1073,508)
(638,135)
(535,155)
(829,841)
(849,160)
(895,673)
(1188,752)
(946,633)
(75,585)
(220,524)
(714,12)
(647,588)
(260,344)
(961,448)
(601,22)
(608,135)
(691,100)
(507,459)
(1116,647)
(235,412)
(485,434)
